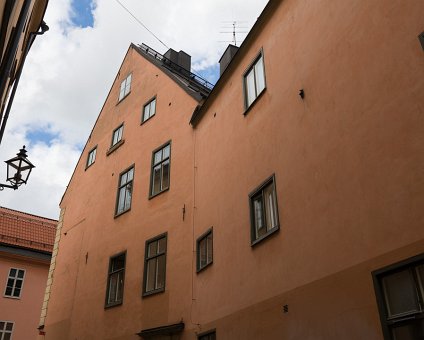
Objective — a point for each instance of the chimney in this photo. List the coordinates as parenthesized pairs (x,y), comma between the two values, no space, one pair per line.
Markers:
(226,58)
(179,58)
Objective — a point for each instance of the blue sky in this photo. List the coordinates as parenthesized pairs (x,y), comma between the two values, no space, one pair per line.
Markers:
(83,16)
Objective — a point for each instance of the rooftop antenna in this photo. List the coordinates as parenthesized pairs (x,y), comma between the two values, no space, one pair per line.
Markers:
(234,29)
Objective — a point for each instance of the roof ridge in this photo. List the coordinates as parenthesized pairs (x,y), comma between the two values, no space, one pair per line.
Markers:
(25,213)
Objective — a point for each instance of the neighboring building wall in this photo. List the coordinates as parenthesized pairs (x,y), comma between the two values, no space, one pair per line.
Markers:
(26,242)
(91,234)
(347,160)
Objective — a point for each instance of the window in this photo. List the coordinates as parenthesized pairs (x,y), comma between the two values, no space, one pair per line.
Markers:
(91,157)
(149,110)
(204,250)
(210,335)
(125,191)
(14,284)
(155,265)
(6,328)
(115,280)
(254,80)
(263,210)
(125,87)
(160,170)
(400,291)
(117,135)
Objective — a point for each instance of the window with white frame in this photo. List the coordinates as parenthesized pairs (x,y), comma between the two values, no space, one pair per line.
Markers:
(14,283)
(254,81)
(399,290)
(117,135)
(115,282)
(160,169)
(125,191)
(91,157)
(149,110)
(125,87)
(263,210)
(204,250)
(155,265)
(6,329)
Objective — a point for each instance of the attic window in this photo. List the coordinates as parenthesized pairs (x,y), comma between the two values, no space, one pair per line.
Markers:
(125,87)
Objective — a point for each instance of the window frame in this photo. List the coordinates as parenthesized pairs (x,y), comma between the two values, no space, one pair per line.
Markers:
(207,333)
(15,279)
(259,189)
(250,68)
(126,94)
(4,331)
(387,321)
(199,268)
(146,259)
(87,164)
(154,99)
(121,186)
(120,141)
(109,273)
(163,146)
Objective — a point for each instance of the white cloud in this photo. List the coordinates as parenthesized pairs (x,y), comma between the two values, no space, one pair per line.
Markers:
(69,71)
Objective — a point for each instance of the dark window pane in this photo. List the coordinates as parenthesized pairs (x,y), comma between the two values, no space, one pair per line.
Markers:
(150,279)
(160,278)
(20,274)
(165,175)
(156,179)
(120,286)
(12,272)
(400,293)
(258,216)
(152,249)
(209,248)
(118,263)
(113,280)
(1,326)
(18,284)
(8,291)
(412,330)
(7,336)
(162,245)
(9,326)
(17,292)
(10,282)
(202,253)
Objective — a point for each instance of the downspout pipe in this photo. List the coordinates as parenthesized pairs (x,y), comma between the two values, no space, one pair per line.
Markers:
(43,28)
(15,44)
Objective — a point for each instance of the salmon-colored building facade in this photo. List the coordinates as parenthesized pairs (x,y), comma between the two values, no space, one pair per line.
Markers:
(284,203)
(26,244)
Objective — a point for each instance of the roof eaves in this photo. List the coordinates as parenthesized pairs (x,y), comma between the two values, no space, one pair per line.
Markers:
(201,109)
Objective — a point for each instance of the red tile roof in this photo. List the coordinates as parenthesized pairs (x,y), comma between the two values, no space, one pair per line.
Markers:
(26,231)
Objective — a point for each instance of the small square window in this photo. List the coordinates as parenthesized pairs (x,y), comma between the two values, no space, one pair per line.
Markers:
(149,110)
(14,284)
(155,265)
(399,291)
(204,250)
(123,202)
(125,87)
(254,81)
(160,169)
(210,335)
(117,135)
(6,329)
(264,210)
(115,280)
(91,157)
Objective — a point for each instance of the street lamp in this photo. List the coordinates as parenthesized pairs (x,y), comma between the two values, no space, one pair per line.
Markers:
(18,170)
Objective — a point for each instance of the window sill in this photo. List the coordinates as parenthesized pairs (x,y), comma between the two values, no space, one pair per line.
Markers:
(153,292)
(247,109)
(121,100)
(88,166)
(158,193)
(12,297)
(111,305)
(122,212)
(204,267)
(263,237)
(116,146)
(144,121)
